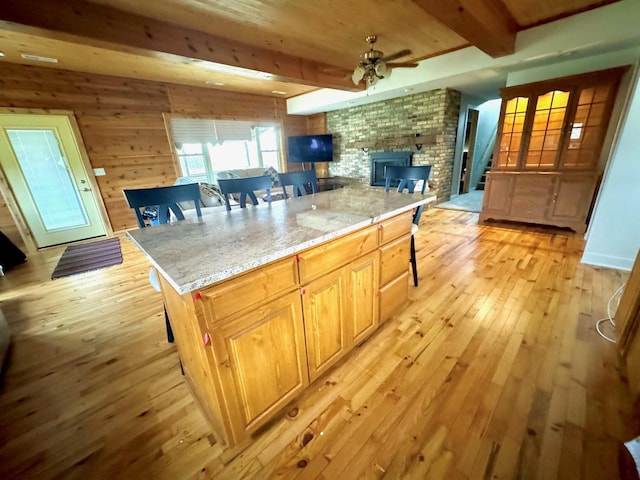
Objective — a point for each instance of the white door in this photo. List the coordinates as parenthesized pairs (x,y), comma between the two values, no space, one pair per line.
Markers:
(42,163)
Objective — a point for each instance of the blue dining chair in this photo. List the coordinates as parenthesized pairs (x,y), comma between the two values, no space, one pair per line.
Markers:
(165,199)
(245,187)
(408,178)
(299,181)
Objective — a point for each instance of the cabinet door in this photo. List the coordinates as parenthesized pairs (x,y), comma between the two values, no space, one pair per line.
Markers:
(588,126)
(509,140)
(324,302)
(547,130)
(261,360)
(497,195)
(572,198)
(531,196)
(362,305)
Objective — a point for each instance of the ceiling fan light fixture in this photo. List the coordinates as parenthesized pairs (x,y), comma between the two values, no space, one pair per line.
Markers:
(358,74)
(374,65)
(380,69)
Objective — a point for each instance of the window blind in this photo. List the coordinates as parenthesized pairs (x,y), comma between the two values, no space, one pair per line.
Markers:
(192,130)
(233,130)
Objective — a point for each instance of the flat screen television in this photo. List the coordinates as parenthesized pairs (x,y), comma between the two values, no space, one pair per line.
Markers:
(311,148)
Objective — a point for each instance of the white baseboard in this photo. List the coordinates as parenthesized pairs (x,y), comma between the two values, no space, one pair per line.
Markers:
(607,261)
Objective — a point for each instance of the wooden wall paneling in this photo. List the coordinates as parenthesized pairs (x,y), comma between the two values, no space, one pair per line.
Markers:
(123,143)
(118,119)
(122,126)
(292,125)
(90,174)
(317,124)
(230,105)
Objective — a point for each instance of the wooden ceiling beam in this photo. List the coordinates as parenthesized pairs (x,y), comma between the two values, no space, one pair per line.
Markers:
(106,27)
(487,24)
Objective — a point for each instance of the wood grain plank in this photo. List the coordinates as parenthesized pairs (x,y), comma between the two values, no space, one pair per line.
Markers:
(472,376)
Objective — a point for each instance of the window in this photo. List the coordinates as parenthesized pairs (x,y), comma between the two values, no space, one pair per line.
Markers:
(194,161)
(229,145)
(268,147)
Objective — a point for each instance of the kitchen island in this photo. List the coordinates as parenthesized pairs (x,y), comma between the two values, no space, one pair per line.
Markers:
(265,299)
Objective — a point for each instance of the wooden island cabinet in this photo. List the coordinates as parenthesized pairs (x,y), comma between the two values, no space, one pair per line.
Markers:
(251,343)
(548,146)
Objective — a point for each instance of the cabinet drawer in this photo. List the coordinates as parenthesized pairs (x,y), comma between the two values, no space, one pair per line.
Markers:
(325,258)
(529,207)
(394,258)
(393,296)
(395,227)
(249,289)
(535,185)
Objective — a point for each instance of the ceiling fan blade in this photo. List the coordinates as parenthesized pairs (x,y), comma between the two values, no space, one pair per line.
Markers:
(393,56)
(402,65)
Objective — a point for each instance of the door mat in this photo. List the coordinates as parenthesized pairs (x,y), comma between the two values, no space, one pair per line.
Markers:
(87,257)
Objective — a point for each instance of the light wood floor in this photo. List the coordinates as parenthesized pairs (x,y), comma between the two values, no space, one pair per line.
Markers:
(494,371)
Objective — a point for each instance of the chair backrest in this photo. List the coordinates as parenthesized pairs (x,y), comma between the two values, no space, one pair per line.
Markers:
(299,180)
(245,187)
(164,198)
(408,177)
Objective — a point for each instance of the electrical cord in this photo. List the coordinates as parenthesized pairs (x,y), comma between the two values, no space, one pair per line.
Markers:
(610,318)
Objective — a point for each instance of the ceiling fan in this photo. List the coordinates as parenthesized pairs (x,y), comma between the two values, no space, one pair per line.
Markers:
(374,65)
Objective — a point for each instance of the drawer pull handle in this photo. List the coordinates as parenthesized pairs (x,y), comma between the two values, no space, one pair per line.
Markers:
(303,291)
(206,340)
(197,296)
(380,226)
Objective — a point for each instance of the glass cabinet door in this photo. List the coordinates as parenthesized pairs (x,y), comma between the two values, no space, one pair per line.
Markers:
(587,130)
(512,130)
(546,129)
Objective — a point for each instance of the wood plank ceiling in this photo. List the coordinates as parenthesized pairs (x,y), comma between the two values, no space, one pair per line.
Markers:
(296,46)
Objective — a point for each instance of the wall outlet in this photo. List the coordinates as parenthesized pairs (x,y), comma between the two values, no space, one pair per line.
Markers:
(99,172)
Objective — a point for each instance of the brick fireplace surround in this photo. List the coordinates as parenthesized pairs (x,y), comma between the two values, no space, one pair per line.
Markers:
(434,111)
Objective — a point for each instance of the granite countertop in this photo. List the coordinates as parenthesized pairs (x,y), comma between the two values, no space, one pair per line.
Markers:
(195,253)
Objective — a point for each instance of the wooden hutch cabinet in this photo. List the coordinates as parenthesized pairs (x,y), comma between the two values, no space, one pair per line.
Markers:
(548,145)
